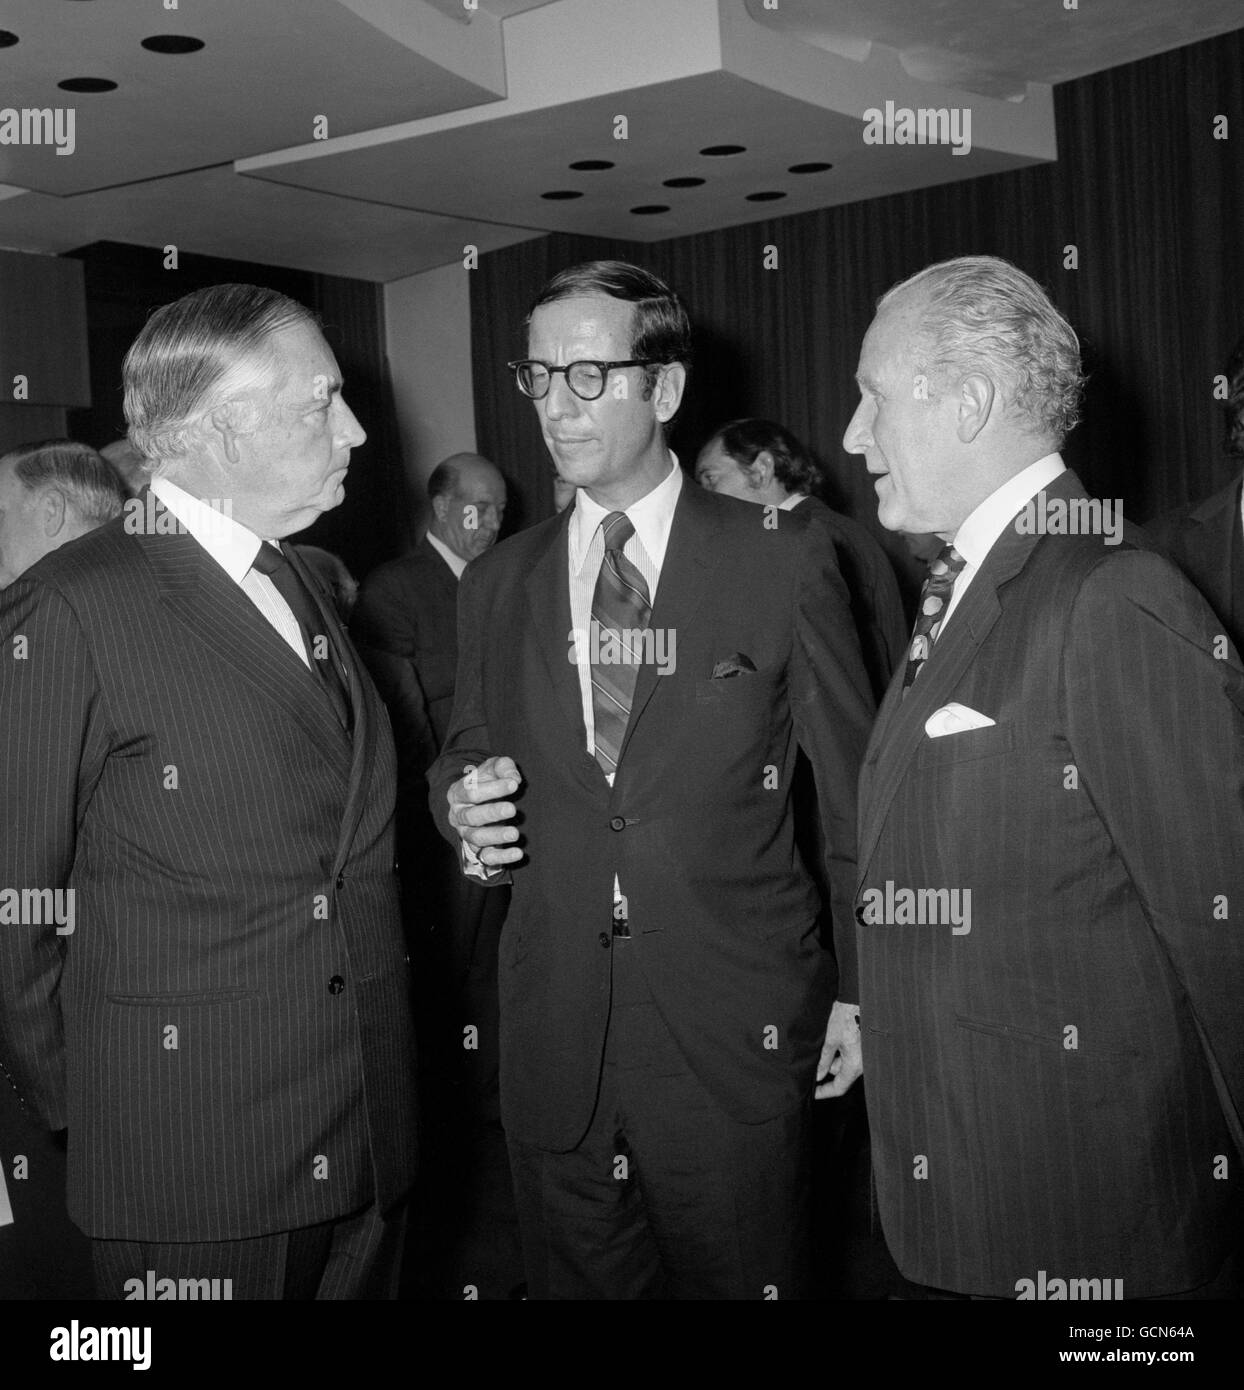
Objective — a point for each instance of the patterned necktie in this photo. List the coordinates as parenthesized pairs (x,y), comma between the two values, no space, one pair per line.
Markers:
(934,597)
(621,606)
(272,562)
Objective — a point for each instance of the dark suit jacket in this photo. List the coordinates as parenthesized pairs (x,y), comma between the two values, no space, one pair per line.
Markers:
(1067,1072)
(408,609)
(1207,543)
(226,1031)
(876,605)
(697,825)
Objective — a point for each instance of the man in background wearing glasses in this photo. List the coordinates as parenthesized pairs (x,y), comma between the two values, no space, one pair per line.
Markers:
(635,675)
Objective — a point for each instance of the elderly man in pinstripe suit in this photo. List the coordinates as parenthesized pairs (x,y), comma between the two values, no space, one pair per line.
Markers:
(1051,822)
(192,750)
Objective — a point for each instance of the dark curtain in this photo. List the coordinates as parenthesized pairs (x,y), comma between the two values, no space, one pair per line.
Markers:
(1150,200)
(125,283)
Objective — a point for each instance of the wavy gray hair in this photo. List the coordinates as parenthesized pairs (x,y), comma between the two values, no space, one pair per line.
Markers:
(981,313)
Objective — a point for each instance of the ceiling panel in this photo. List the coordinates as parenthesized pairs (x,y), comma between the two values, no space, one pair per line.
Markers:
(215,212)
(268,70)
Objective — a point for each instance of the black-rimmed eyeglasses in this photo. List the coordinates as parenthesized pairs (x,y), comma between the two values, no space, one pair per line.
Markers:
(585,378)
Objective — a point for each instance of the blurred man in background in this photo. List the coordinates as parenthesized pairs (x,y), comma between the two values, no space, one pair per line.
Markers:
(760,461)
(51,493)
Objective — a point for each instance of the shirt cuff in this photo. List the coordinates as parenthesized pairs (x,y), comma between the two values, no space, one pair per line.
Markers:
(474,867)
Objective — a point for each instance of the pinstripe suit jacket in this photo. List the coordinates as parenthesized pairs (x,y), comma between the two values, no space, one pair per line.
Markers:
(167,757)
(1055,1088)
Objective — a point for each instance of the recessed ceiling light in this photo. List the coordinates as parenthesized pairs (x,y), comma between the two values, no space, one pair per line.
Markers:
(7,40)
(682,183)
(592,164)
(813,168)
(173,43)
(716,151)
(769,196)
(647,209)
(560,195)
(87,84)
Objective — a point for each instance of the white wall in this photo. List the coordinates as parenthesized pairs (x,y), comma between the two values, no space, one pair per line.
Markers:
(428,340)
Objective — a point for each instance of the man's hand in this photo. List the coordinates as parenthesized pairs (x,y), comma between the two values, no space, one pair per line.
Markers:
(841,1056)
(476,812)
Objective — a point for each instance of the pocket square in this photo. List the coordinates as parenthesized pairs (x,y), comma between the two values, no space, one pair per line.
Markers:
(733,666)
(955,719)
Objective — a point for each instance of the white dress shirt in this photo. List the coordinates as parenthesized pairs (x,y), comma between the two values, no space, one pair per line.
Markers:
(975,538)
(234,548)
(454,561)
(652,516)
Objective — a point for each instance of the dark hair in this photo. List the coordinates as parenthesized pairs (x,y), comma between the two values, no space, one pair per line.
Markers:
(91,486)
(793,466)
(660,329)
(1234,445)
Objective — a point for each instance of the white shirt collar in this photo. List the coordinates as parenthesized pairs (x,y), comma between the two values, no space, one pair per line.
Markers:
(232,545)
(652,516)
(455,562)
(976,536)
(792,501)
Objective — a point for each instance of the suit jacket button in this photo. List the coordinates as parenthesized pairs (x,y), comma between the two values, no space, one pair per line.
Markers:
(617,823)
(341,882)
(336,985)
(603,938)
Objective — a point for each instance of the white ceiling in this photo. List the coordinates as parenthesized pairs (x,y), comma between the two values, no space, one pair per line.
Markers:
(447,119)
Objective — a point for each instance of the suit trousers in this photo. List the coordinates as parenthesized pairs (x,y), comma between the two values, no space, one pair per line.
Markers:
(358,1257)
(666,1196)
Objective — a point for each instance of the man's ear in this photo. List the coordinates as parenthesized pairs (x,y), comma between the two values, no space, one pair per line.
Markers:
(227,422)
(667,397)
(761,471)
(440,507)
(53,512)
(976,402)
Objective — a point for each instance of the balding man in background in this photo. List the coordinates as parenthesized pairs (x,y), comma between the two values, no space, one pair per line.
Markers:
(405,624)
(408,608)
(50,493)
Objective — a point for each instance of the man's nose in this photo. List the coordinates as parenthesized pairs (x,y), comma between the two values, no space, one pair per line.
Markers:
(349,431)
(858,435)
(561,400)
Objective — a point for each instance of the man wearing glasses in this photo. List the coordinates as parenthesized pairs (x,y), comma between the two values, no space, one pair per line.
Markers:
(634,679)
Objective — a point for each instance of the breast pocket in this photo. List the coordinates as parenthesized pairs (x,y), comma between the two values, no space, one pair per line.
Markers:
(968,746)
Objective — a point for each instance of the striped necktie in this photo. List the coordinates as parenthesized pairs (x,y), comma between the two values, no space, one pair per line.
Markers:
(621,608)
(934,597)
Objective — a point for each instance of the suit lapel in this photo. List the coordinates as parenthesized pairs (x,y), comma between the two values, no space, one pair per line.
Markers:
(899,729)
(365,710)
(549,622)
(690,556)
(201,596)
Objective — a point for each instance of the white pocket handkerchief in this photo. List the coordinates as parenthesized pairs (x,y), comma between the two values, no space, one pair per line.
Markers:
(955,719)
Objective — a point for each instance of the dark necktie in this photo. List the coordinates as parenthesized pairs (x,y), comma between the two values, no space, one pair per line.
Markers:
(934,597)
(272,562)
(620,605)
